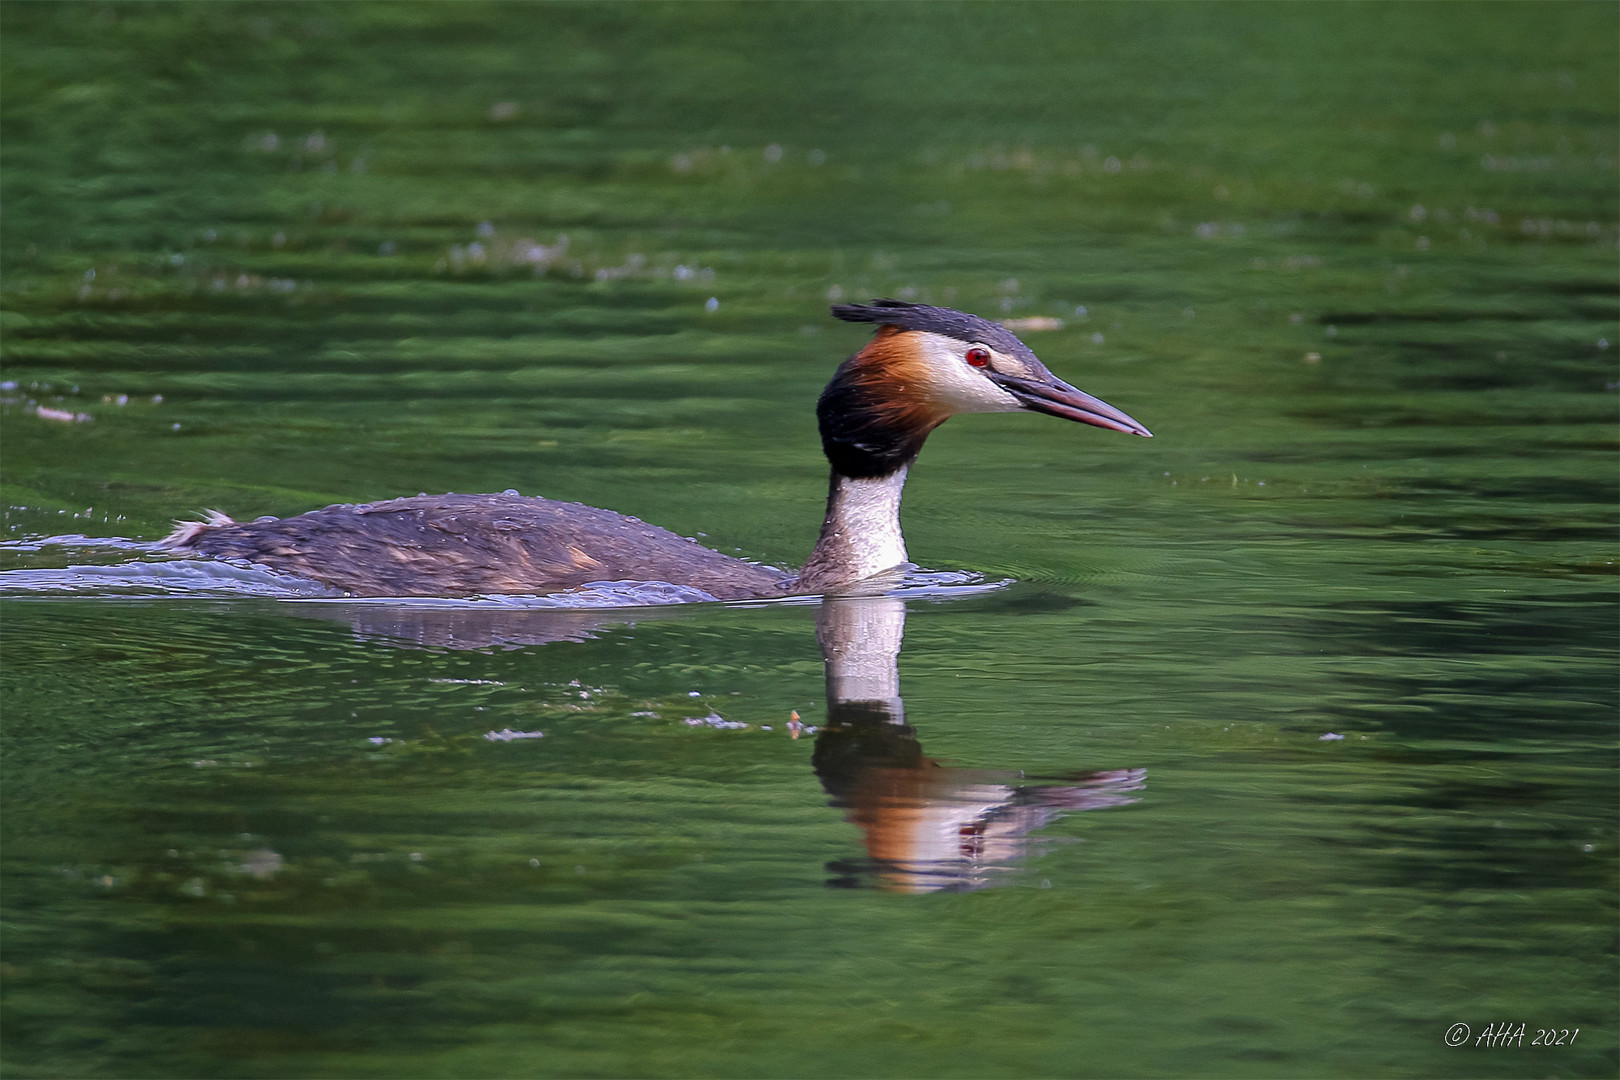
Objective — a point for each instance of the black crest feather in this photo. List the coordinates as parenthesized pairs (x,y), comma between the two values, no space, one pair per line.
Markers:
(935,320)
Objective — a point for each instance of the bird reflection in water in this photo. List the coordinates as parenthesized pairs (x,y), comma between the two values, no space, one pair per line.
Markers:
(928,826)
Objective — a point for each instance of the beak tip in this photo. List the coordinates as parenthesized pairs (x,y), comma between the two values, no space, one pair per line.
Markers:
(1058,398)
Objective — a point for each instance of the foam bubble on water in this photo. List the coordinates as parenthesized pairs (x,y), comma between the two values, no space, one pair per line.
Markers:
(715,720)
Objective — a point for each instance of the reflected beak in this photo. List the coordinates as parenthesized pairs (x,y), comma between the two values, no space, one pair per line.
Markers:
(1058,398)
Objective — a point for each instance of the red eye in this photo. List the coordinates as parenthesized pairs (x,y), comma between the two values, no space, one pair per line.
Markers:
(978,357)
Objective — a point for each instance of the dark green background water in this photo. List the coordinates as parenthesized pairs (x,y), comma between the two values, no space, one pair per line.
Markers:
(1355,266)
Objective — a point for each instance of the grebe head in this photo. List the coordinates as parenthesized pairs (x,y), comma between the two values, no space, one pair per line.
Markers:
(926,364)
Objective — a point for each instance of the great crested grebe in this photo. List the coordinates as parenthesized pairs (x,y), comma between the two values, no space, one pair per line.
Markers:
(923,366)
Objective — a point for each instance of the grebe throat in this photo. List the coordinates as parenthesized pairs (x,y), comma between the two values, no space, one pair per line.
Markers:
(860,536)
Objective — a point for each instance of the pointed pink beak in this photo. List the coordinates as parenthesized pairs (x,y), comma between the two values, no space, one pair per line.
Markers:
(1058,398)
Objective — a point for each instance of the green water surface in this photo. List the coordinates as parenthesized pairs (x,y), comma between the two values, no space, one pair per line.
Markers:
(1355,265)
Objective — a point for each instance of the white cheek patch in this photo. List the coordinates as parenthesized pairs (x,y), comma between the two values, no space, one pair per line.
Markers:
(955,385)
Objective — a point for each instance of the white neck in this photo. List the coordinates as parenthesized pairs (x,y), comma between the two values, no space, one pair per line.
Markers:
(860,535)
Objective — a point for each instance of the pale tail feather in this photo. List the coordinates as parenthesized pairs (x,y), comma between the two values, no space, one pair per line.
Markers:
(186,532)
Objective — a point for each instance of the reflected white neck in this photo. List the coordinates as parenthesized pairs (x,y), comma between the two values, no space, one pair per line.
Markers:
(860,640)
(860,535)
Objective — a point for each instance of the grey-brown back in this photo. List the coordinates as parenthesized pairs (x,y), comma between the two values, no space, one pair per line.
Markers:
(462,545)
